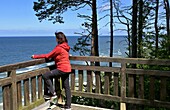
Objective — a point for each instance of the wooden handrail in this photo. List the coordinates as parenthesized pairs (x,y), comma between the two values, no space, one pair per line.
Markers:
(30,83)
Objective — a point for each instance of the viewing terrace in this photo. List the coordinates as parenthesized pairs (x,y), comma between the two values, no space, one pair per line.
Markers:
(130,82)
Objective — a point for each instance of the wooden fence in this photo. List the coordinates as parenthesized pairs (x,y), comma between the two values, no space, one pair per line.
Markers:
(129,83)
(25,91)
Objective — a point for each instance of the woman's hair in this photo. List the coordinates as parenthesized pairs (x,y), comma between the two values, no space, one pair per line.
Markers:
(61,37)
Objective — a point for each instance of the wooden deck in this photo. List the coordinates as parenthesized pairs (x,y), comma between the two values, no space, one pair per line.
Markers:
(45,106)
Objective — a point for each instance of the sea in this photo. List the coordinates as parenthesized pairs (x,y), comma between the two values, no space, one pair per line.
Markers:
(14,49)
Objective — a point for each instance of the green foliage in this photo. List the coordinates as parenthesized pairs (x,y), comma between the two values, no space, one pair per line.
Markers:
(53,9)
(95,102)
(82,46)
(149,47)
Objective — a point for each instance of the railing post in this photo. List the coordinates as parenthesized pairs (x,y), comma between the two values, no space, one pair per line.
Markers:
(26,92)
(89,81)
(6,97)
(80,73)
(123,86)
(73,80)
(107,83)
(13,89)
(19,95)
(40,86)
(58,89)
(116,84)
(98,82)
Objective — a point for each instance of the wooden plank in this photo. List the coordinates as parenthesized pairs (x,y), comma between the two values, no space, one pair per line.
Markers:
(116,84)
(32,74)
(131,85)
(154,103)
(81,79)
(19,95)
(163,89)
(31,106)
(96,96)
(122,60)
(5,81)
(123,81)
(107,82)
(26,92)
(95,68)
(141,87)
(39,86)
(16,66)
(33,89)
(89,81)
(148,72)
(98,82)
(13,89)
(58,88)
(122,106)
(152,88)
(73,80)
(6,98)
(45,88)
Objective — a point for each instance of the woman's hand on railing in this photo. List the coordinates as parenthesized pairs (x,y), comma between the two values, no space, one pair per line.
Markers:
(32,56)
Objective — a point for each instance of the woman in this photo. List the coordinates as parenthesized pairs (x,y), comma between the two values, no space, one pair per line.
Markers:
(60,54)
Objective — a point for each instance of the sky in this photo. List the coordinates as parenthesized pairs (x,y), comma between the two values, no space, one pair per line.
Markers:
(17,18)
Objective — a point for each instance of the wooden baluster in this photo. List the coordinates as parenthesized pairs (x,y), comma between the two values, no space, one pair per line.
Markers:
(116,84)
(152,88)
(141,87)
(123,86)
(6,97)
(89,81)
(13,89)
(163,91)
(107,82)
(33,89)
(58,89)
(26,92)
(73,80)
(39,86)
(131,85)
(98,82)
(19,95)
(80,73)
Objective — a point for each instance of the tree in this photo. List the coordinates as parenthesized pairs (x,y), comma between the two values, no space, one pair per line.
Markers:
(140,28)
(52,10)
(111,31)
(123,19)
(167,8)
(134,28)
(156,28)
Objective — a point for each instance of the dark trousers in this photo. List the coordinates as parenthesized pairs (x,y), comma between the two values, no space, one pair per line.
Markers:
(65,81)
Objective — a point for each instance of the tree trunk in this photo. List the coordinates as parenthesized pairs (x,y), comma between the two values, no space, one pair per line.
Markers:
(156,28)
(167,8)
(134,44)
(94,50)
(111,31)
(134,29)
(140,28)
(95,47)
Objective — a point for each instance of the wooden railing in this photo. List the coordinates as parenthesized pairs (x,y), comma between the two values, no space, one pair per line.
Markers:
(25,91)
(130,85)
(22,91)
